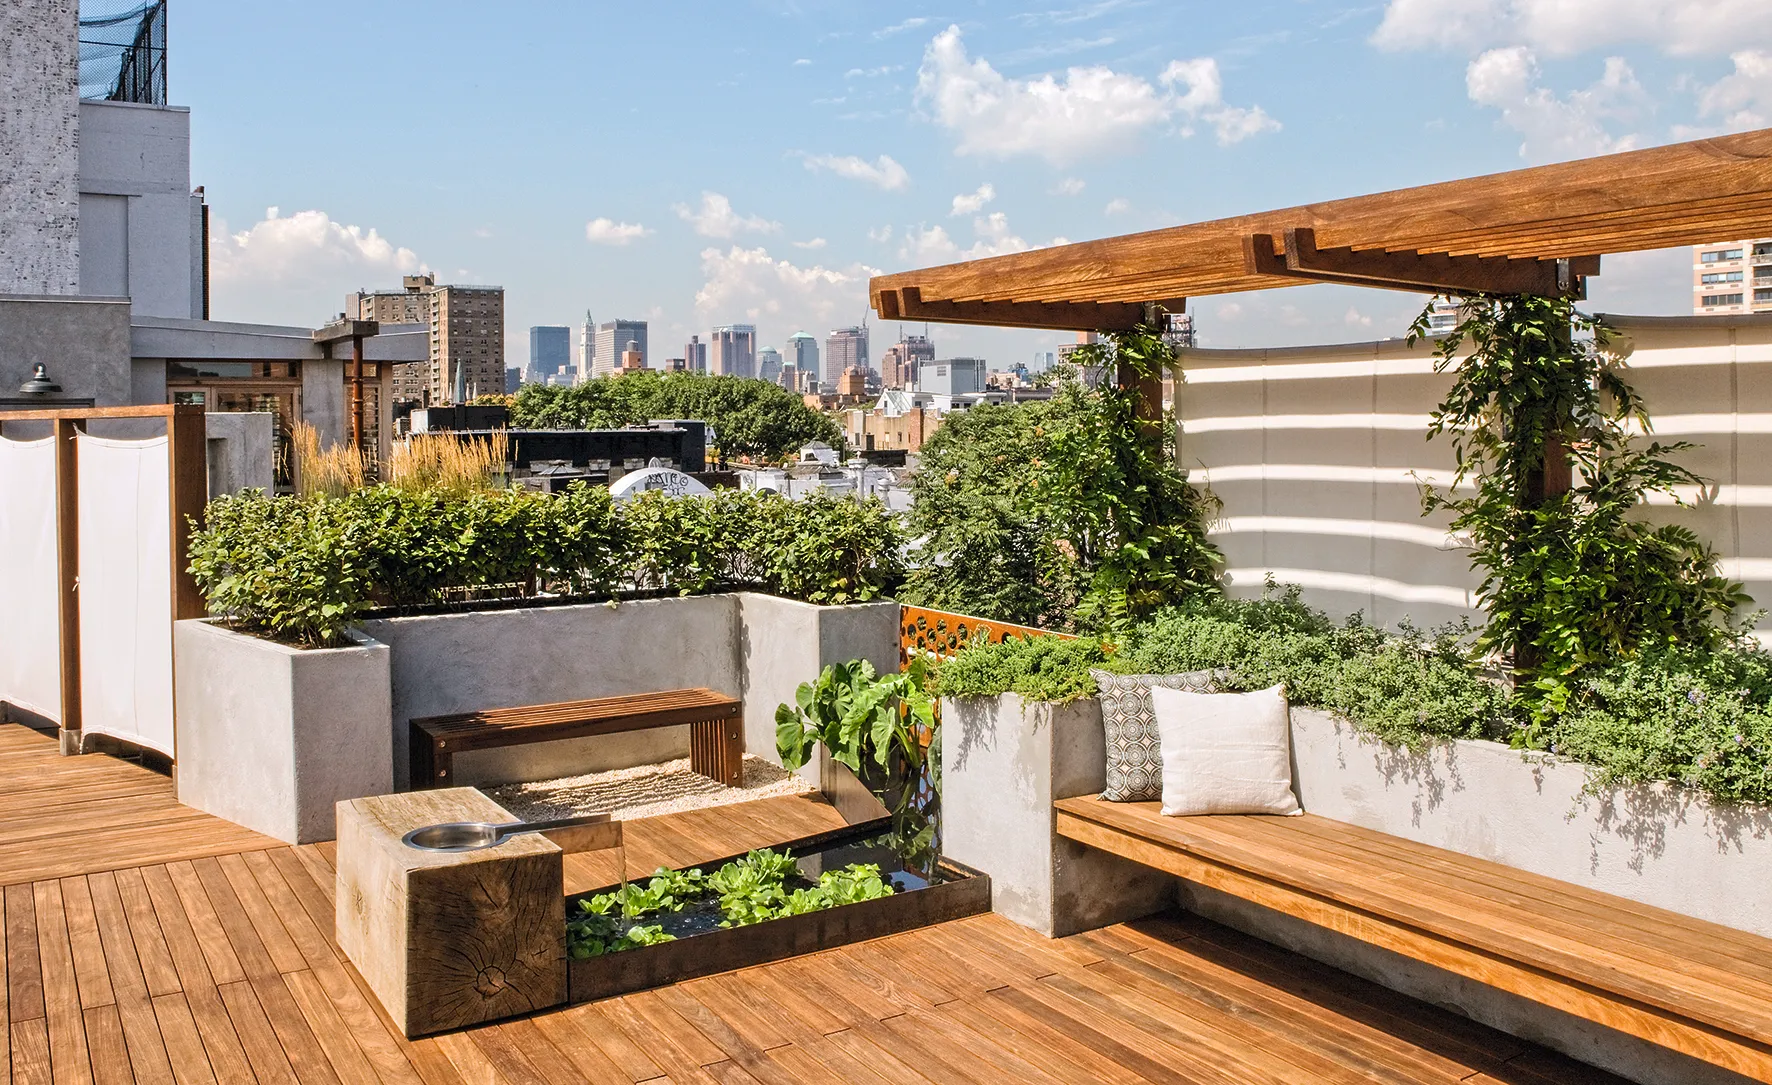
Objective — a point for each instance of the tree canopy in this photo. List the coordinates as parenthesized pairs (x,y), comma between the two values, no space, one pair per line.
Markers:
(751,419)
(1062,514)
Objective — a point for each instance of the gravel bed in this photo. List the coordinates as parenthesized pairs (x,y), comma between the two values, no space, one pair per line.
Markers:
(644,791)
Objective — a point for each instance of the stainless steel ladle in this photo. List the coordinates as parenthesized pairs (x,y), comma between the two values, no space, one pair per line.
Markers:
(473,835)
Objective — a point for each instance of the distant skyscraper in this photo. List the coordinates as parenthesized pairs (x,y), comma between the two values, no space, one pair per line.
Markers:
(467,335)
(695,355)
(613,336)
(550,347)
(587,347)
(735,350)
(802,354)
(843,348)
(768,364)
(899,365)
(1732,277)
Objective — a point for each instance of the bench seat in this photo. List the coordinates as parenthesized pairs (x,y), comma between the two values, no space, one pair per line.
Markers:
(716,730)
(1685,984)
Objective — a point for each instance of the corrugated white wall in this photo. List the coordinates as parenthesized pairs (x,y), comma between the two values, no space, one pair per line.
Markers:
(1318,453)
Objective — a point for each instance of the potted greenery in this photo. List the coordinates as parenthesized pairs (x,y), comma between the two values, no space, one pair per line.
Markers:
(883,729)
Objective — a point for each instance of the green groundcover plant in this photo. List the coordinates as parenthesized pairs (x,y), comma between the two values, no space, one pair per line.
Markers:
(1697,718)
(764,885)
(302,570)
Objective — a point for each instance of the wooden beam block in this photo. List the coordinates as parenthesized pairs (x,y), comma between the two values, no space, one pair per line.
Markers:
(908,304)
(67,553)
(447,939)
(1418,272)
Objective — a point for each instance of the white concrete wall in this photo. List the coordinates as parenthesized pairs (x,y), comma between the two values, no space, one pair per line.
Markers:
(39,148)
(1005,761)
(273,737)
(140,154)
(239,452)
(1317,453)
(1657,844)
(497,658)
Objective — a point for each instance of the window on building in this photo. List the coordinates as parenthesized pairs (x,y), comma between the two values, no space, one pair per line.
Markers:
(1719,256)
(1712,301)
(1722,277)
(1763,248)
(1762,295)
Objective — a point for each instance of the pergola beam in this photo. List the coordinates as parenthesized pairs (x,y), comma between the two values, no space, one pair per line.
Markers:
(1498,232)
(908,304)
(1417,272)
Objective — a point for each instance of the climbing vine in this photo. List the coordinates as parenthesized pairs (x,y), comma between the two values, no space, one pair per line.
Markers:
(1548,481)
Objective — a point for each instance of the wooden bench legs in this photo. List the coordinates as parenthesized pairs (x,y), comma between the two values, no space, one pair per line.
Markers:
(716,750)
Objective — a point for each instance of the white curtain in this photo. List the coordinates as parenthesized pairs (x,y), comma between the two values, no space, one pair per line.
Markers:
(30,630)
(126,590)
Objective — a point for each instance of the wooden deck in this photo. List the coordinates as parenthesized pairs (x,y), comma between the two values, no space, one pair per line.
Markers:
(222,968)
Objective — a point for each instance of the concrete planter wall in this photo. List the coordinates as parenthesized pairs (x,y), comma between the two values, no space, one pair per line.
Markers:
(272,737)
(443,663)
(785,643)
(1004,761)
(754,647)
(1657,844)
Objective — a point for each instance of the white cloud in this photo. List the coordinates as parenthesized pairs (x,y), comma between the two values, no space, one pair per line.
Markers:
(716,218)
(1356,319)
(1229,310)
(1205,100)
(872,73)
(1555,128)
(1117,207)
(881,234)
(779,294)
(970,203)
(899,28)
(1070,186)
(815,243)
(603,231)
(802,62)
(1089,110)
(296,269)
(991,236)
(882,172)
(1742,99)
(1566,27)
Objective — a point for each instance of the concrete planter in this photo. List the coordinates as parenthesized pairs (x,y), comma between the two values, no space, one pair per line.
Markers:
(755,647)
(1657,844)
(1004,761)
(272,737)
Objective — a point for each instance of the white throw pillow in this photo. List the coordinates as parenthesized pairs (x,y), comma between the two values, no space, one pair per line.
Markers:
(1225,753)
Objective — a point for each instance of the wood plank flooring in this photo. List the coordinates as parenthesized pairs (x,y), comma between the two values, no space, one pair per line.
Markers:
(61,816)
(222,968)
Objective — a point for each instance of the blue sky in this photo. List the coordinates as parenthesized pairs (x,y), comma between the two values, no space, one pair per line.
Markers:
(703,163)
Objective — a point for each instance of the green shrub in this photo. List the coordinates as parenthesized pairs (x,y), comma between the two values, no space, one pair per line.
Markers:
(1698,718)
(303,569)
(298,571)
(1038,668)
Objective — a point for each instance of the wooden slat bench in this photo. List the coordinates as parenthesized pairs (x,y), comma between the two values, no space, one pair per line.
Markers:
(1688,985)
(716,730)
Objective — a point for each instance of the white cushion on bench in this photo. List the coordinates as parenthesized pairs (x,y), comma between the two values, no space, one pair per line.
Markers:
(1225,753)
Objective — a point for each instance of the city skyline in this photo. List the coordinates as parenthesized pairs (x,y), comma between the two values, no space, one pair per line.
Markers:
(899,142)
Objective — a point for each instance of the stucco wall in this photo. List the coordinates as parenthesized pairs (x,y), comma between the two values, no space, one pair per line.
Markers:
(1657,844)
(239,451)
(139,155)
(83,341)
(40,138)
(1318,454)
(491,659)
(1004,762)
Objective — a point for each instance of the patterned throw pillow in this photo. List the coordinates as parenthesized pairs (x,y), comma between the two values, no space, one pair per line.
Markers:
(1134,752)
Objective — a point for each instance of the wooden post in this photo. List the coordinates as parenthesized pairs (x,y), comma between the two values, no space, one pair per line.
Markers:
(357,394)
(187,447)
(67,554)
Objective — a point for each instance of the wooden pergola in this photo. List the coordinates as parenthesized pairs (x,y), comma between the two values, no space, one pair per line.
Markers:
(1536,231)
